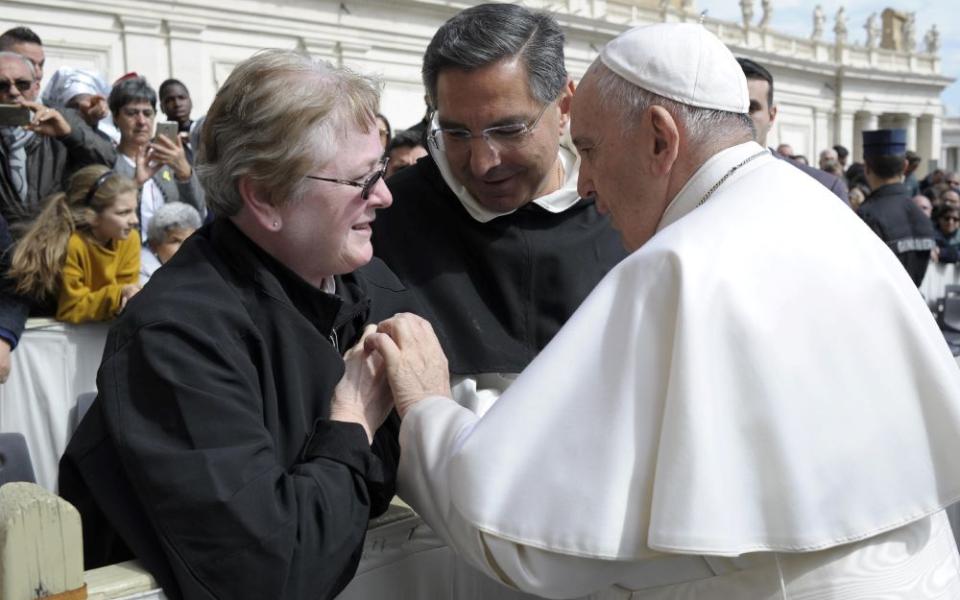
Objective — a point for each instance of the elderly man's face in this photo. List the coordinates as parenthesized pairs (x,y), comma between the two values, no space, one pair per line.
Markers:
(828,156)
(502,177)
(924,204)
(761,113)
(15,74)
(613,167)
(950,198)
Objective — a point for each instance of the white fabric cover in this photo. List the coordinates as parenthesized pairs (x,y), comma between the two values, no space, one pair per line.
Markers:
(680,61)
(761,375)
(53,364)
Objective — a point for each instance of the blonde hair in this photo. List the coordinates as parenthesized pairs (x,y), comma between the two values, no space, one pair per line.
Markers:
(279,116)
(39,255)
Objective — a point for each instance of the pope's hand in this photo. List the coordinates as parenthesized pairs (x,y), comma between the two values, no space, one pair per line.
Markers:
(415,363)
(362,396)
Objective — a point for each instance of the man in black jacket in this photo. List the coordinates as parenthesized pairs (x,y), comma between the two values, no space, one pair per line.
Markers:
(489,231)
(888,210)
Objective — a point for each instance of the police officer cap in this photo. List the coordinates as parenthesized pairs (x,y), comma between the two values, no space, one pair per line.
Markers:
(680,61)
(884,142)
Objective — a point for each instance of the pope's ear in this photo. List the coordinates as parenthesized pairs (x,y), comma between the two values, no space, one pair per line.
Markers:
(257,202)
(665,142)
(566,102)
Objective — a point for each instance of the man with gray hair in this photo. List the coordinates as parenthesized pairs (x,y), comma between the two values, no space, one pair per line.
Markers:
(489,231)
(34,158)
(702,426)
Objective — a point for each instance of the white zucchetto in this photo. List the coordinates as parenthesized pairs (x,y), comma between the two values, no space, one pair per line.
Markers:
(680,61)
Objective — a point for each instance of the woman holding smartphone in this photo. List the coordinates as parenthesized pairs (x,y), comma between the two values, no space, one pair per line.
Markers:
(158,164)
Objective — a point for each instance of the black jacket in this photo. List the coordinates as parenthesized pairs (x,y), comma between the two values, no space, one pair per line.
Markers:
(828,180)
(893,216)
(208,454)
(496,292)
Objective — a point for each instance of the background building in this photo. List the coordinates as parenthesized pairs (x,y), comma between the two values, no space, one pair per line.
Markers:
(829,86)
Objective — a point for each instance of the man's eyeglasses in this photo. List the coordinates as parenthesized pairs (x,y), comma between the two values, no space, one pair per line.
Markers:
(501,137)
(23,85)
(954,219)
(366,186)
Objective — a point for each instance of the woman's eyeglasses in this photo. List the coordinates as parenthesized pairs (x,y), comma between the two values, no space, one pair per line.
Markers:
(366,186)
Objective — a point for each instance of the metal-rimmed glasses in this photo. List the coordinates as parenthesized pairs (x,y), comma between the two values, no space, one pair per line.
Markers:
(501,137)
(366,186)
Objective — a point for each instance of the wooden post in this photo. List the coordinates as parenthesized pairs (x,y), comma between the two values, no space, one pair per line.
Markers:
(41,545)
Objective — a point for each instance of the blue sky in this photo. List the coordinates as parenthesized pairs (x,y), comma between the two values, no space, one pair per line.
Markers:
(795,17)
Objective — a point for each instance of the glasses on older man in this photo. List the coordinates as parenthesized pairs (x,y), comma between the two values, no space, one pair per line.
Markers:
(366,186)
(23,85)
(501,137)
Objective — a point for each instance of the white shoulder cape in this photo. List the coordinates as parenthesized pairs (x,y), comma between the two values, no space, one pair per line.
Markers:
(761,375)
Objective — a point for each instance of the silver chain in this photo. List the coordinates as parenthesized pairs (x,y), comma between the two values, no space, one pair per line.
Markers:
(727,176)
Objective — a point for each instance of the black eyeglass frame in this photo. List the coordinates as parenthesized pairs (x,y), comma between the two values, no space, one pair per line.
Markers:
(23,85)
(366,186)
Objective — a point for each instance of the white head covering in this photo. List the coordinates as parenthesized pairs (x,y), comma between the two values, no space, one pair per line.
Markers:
(68,82)
(680,61)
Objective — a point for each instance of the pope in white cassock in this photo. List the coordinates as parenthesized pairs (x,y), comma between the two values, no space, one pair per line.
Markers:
(756,404)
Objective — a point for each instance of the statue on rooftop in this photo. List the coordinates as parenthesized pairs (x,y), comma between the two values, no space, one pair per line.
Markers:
(910,32)
(818,20)
(767,6)
(932,40)
(840,27)
(746,8)
(873,31)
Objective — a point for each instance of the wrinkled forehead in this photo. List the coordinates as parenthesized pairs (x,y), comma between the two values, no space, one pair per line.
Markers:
(14,68)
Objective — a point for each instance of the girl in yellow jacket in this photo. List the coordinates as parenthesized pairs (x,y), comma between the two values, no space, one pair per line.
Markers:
(84,248)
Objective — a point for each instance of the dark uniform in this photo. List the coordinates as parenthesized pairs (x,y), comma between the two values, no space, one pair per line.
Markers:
(893,216)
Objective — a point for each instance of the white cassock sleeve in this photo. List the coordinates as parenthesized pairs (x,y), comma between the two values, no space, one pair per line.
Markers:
(431,432)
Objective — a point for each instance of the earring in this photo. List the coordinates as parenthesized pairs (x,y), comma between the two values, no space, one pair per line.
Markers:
(276,224)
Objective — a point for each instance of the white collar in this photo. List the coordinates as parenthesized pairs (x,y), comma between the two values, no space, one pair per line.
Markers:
(709,173)
(555,202)
(329,285)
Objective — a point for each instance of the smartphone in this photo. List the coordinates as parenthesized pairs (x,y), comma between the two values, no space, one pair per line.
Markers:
(14,115)
(168,129)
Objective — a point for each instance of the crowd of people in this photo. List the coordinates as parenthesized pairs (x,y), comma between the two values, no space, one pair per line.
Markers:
(57,262)
(568,324)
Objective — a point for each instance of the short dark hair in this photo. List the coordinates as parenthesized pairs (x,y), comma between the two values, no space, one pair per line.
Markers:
(913,158)
(755,71)
(135,89)
(841,151)
(405,139)
(162,90)
(18,35)
(487,33)
(885,166)
(943,209)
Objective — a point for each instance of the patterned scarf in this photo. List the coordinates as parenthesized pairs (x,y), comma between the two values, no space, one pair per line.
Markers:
(15,140)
